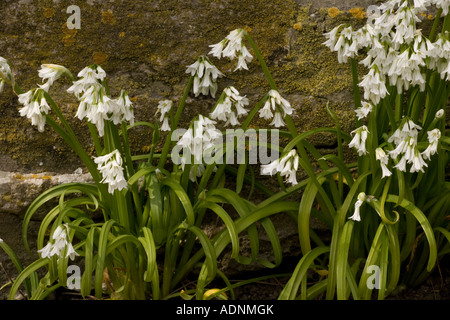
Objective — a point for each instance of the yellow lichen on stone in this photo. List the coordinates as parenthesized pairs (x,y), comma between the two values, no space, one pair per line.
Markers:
(99,57)
(357,13)
(69,37)
(334,12)
(49,12)
(108,17)
(298,26)
(47,177)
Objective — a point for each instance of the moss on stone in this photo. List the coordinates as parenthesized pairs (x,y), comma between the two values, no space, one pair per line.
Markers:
(145,47)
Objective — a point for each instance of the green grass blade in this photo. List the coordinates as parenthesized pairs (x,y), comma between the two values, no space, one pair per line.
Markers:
(289,292)
(27,272)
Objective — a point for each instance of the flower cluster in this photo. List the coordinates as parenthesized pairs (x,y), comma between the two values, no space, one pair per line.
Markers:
(231,107)
(397,51)
(231,47)
(35,107)
(405,140)
(205,76)
(59,244)
(200,139)
(276,103)
(287,166)
(164,107)
(95,105)
(111,169)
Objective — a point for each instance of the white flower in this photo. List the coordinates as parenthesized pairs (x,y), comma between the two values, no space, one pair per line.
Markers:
(275,103)
(287,166)
(88,76)
(51,73)
(405,139)
(232,47)
(384,159)
(364,110)
(164,107)
(197,141)
(95,105)
(45,251)
(5,71)
(121,109)
(271,168)
(205,76)
(277,120)
(243,58)
(35,107)
(231,107)
(356,215)
(359,140)
(71,253)
(110,167)
(417,162)
(374,86)
(58,243)
(433,138)
(440,114)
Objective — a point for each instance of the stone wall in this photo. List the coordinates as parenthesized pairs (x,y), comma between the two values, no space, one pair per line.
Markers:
(145,46)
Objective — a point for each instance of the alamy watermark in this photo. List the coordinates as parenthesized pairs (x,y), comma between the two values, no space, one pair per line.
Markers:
(373,281)
(74,21)
(74,280)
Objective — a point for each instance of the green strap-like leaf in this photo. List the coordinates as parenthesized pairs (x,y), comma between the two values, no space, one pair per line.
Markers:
(424,223)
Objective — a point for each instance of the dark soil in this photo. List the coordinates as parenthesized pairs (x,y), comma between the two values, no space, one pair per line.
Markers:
(436,287)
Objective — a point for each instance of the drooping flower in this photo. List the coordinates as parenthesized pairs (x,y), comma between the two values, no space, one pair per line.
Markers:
(164,107)
(35,107)
(381,156)
(277,104)
(357,214)
(51,73)
(95,104)
(89,76)
(231,47)
(121,109)
(359,140)
(111,169)
(6,74)
(440,114)
(198,141)
(405,140)
(364,110)
(205,76)
(374,86)
(287,166)
(433,139)
(231,107)
(58,244)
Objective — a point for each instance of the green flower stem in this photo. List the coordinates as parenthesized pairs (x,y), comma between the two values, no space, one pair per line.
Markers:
(174,124)
(289,121)
(355,81)
(435,25)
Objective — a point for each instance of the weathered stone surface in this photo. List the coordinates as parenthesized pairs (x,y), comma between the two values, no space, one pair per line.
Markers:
(19,190)
(145,47)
